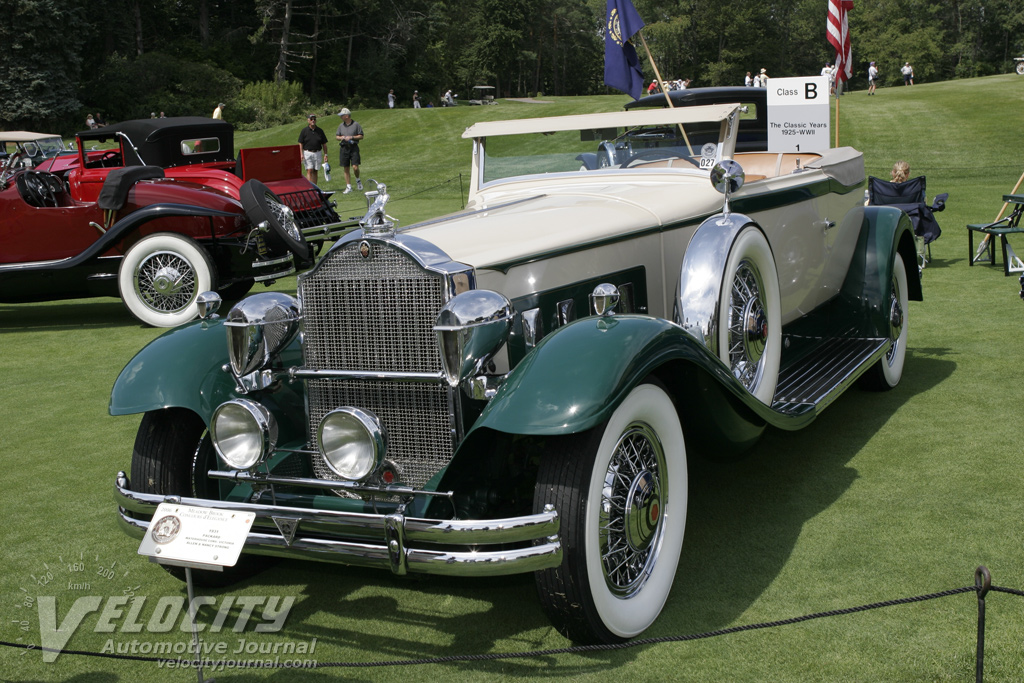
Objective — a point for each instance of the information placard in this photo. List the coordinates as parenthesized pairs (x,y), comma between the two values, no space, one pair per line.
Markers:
(183,534)
(798,114)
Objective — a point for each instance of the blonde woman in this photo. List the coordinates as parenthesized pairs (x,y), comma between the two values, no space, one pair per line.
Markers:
(900,172)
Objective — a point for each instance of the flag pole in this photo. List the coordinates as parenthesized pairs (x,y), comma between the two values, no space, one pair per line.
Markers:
(664,90)
(839,91)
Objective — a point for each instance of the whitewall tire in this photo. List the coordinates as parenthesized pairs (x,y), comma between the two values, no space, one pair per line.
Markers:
(160,277)
(888,371)
(621,493)
(749,314)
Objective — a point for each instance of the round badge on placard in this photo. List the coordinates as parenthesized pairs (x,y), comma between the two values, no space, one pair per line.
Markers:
(165,529)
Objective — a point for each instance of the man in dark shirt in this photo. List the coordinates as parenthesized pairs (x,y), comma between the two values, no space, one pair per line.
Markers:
(314,148)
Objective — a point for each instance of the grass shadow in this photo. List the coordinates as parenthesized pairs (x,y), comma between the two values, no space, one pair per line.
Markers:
(746,516)
(66,315)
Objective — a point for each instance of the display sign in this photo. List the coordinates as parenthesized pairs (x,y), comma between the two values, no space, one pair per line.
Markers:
(196,536)
(798,113)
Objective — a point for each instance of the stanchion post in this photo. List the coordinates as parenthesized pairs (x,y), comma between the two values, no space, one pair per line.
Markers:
(983,582)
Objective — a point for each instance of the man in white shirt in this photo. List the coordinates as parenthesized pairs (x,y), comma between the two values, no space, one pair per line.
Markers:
(908,74)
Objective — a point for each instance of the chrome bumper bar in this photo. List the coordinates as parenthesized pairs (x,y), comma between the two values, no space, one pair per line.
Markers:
(394,541)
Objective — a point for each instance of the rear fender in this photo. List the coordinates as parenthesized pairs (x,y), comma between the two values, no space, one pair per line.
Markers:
(885,232)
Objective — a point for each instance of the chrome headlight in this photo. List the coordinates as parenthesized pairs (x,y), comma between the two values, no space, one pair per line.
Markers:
(243,432)
(258,328)
(470,329)
(352,442)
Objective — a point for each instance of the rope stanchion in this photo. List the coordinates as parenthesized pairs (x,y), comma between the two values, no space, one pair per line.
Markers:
(983,585)
(982,582)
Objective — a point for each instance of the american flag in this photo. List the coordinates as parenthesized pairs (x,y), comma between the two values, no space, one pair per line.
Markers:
(839,37)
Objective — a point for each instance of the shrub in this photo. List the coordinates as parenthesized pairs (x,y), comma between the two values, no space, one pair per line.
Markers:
(265,103)
(132,88)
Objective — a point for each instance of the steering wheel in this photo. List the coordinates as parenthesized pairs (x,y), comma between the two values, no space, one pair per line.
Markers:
(657,155)
(37,188)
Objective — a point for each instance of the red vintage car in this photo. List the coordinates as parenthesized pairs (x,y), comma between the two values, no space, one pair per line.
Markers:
(164,214)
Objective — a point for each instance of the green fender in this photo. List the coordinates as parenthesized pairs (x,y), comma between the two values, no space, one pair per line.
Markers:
(885,232)
(579,374)
(187,367)
(182,368)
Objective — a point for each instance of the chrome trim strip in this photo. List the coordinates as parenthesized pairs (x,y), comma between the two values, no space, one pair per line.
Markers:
(395,531)
(306,373)
(250,478)
(272,262)
(330,230)
(275,276)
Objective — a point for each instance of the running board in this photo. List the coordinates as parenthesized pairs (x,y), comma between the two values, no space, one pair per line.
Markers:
(824,372)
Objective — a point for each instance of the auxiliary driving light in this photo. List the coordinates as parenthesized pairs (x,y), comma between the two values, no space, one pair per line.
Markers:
(352,442)
(244,433)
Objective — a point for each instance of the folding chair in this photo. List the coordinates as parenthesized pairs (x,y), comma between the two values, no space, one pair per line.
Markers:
(909,196)
(1008,225)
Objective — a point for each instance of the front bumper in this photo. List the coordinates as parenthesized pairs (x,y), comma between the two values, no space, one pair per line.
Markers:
(393,541)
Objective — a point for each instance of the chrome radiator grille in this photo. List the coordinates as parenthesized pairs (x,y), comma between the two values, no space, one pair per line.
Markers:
(377,314)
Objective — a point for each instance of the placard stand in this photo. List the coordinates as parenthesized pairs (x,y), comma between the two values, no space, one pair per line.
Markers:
(193,615)
(195,538)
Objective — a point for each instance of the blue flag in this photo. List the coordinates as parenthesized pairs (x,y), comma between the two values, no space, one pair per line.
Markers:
(621,65)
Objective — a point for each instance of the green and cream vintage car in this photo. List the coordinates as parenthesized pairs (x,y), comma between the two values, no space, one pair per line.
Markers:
(517,387)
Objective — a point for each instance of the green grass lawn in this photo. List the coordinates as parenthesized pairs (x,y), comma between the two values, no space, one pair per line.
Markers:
(884,496)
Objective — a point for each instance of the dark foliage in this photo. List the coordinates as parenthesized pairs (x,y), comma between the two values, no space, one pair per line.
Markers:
(128,58)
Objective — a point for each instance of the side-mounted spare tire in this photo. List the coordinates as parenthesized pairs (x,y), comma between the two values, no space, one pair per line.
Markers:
(262,205)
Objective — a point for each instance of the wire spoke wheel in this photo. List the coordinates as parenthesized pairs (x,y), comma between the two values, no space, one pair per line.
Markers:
(748,326)
(166,281)
(161,276)
(630,526)
(887,372)
(264,208)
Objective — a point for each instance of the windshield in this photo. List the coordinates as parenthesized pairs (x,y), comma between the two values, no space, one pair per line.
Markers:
(640,148)
(43,148)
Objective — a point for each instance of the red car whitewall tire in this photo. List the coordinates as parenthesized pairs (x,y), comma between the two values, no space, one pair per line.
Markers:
(160,277)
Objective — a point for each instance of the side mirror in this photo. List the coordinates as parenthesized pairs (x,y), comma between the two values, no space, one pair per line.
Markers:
(727,177)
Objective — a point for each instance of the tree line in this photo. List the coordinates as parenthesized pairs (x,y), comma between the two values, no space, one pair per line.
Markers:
(132,58)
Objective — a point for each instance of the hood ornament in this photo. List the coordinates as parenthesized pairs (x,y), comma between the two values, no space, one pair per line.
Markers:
(376,221)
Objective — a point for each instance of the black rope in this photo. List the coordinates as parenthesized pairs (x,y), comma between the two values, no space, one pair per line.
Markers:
(576,649)
(429,189)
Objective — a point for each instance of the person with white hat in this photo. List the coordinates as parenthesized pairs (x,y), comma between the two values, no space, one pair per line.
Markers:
(872,78)
(348,136)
